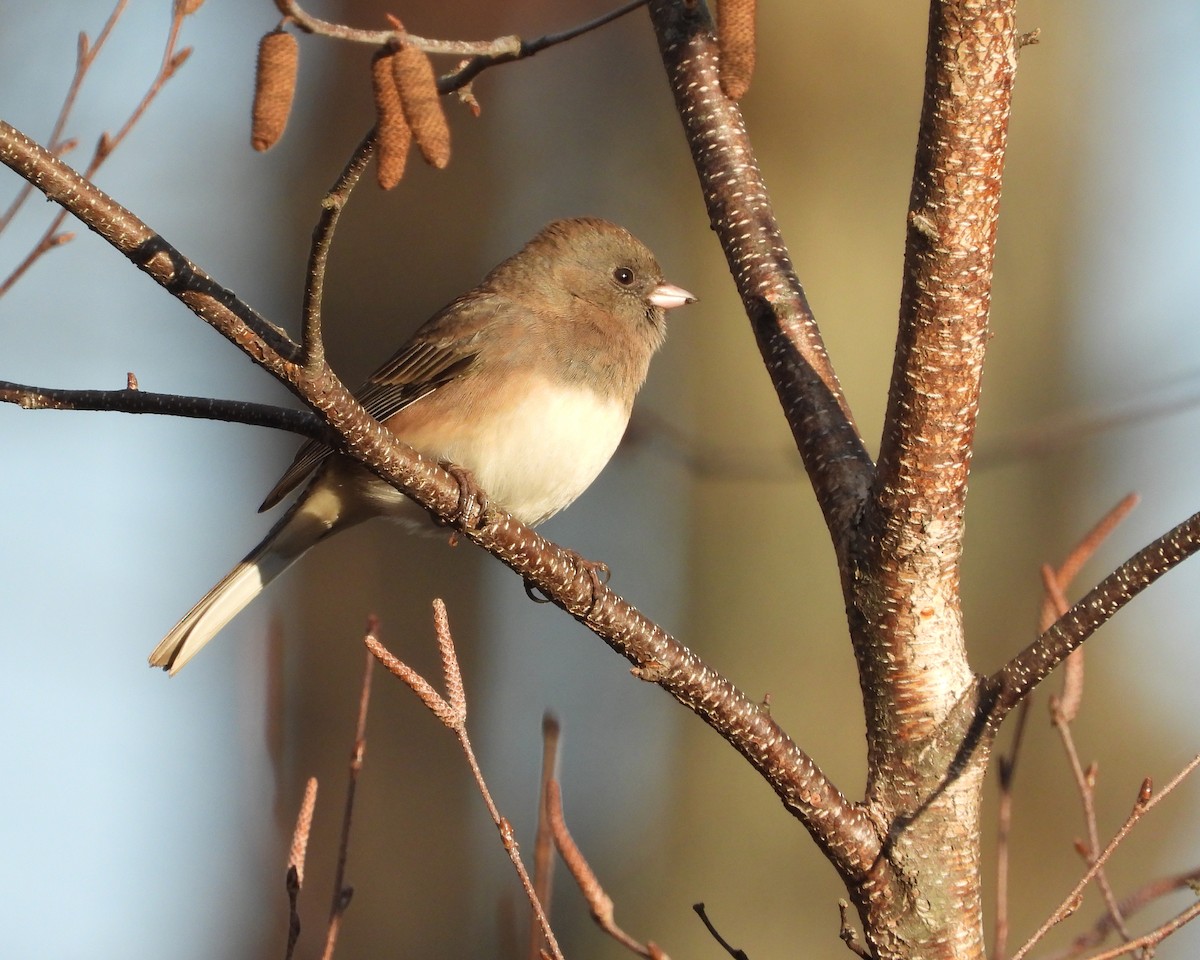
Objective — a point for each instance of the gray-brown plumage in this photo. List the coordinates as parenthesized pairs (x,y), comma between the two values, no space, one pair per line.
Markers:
(527,382)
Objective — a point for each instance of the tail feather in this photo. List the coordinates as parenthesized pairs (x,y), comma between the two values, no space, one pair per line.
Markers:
(200,624)
(319,511)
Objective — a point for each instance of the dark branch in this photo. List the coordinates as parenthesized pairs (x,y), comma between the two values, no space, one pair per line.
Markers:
(741,214)
(1016,679)
(168,404)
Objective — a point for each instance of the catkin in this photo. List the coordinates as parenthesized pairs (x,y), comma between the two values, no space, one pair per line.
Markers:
(735,37)
(422,105)
(274,87)
(187,7)
(392,136)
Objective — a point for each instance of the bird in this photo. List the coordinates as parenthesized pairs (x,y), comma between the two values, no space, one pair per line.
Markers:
(526,383)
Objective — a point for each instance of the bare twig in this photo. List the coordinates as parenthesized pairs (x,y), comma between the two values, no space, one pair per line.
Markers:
(172,60)
(314,286)
(1014,681)
(1085,784)
(1146,801)
(848,935)
(1155,936)
(1053,606)
(1083,551)
(543,844)
(134,400)
(1008,773)
(452,711)
(341,892)
(732,951)
(599,903)
(1142,897)
(296,855)
(482,53)
(85,55)
(740,210)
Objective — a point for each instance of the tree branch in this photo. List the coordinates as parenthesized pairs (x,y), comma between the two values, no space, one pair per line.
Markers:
(741,214)
(134,400)
(1014,681)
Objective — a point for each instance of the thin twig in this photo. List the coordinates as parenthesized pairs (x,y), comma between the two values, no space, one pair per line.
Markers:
(1155,936)
(1083,551)
(1004,813)
(171,62)
(734,952)
(85,56)
(848,935)
(543,843)
(296,855)
(452,711)
(1053,606)
(342,893)
(1085,783)
(167,404)
(314,286)
(499,50)
(1014,681)
(599,903)
(1146,801)
(1142,897)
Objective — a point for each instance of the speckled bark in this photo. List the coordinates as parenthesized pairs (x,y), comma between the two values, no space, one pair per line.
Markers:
(926,754)
(899,541)
(741,215)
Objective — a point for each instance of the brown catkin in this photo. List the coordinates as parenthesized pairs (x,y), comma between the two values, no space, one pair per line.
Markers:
(274,87)
(422,105)
(187,7)
(735,35)
(392,136)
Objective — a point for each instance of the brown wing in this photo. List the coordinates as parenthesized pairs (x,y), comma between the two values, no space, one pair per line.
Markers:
(441,351)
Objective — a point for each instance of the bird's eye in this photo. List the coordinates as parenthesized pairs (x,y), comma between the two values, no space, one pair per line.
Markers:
(623,276)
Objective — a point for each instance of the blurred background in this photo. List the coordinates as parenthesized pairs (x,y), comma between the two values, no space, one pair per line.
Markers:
(150,817)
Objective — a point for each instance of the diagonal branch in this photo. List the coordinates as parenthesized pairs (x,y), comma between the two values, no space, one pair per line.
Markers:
(840,827)
(741,214)
(1014,681)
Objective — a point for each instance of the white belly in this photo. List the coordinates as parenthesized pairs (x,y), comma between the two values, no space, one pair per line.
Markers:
(537,454)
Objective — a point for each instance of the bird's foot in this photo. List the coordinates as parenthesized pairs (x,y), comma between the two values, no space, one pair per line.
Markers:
(597,572)
(473,504)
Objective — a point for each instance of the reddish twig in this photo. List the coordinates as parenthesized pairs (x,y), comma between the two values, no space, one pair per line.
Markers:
(543,844)
(172,60)
(1054,605)
(1154,937)
(296,855)
(599,903)
(848,935)
(1142,897)
(1147,799)
(342,893)
(452,711)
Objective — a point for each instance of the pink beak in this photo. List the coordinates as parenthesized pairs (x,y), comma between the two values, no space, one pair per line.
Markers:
(668,296)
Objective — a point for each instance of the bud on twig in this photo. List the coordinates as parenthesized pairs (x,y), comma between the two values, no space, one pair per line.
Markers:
(422,105)
(735,36)
(392,136)
(274,87)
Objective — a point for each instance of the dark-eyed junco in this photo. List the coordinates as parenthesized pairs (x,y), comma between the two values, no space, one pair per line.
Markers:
(527,382)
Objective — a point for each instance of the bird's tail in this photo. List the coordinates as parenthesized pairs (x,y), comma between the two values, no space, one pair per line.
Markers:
(312,518)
